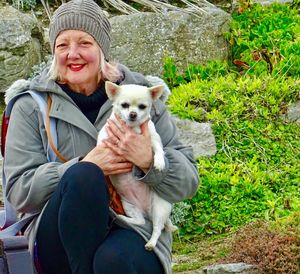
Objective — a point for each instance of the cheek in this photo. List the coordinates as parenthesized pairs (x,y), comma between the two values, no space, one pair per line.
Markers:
(92,58)
(142,113)
(61,59)
(124,113)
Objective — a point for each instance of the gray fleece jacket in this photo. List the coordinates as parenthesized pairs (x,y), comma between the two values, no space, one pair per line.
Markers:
(31,179)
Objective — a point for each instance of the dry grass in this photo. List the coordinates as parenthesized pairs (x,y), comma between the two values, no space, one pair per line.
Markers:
(270,249)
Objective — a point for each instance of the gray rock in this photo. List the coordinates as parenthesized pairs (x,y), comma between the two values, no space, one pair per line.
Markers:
(197,135)
(20,48)
(143,40)
(195,271)
(236,268)
(270,2)
(293,113)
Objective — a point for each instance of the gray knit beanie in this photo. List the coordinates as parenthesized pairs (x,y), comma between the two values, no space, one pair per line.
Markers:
(84,15)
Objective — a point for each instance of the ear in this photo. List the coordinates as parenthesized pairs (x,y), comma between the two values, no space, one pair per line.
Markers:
(111,89)
(156,92)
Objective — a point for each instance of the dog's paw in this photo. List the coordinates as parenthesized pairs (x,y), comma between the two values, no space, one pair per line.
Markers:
(149,246)
(159,161)
(171,228)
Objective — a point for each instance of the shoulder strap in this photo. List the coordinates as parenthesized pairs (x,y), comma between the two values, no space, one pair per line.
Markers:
(52,135)
(41,100)
(8,216)
(43,106)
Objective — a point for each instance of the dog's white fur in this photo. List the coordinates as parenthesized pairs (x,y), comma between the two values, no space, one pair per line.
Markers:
(132,103)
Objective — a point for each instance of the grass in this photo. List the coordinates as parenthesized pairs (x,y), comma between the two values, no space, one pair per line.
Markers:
(201,251)
(273,246)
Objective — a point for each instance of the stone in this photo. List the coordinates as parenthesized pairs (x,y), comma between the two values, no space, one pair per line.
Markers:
(234,268)
(20,48)
(270,2)
(293,113)
(197,135)
(143,40)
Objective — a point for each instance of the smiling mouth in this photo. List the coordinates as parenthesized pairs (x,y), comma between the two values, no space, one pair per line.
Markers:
(76,67)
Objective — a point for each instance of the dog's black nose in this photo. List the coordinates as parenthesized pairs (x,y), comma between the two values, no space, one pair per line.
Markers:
(132,116)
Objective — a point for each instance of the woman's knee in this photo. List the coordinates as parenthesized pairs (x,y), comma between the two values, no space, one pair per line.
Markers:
(83,174)
(113,259)
(83,170)
(84,180)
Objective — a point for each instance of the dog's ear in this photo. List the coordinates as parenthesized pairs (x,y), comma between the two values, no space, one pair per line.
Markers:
(156,92)
(111,89)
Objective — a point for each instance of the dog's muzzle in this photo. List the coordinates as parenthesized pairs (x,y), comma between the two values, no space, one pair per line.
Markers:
(132,116)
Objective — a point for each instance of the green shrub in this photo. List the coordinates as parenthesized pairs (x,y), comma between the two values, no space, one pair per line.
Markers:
(265,40)
(211,70)
(255,173)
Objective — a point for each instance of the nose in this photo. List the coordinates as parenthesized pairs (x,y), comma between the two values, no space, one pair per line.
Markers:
(132,116)
(73,52)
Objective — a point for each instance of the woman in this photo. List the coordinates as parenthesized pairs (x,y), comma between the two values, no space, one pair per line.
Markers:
(73,229)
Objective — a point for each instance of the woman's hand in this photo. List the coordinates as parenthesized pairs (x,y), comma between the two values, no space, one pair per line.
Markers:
(135,148)
(109,161)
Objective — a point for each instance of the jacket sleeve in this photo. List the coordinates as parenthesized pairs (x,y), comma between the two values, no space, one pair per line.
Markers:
(179,179)
(31,179)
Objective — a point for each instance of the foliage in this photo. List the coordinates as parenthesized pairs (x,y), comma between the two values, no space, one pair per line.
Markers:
(265,40)
(211,70)
(180,211)
(202,251)
(255,174)
(125,7)
(270,250)
(24,4)
(251,243)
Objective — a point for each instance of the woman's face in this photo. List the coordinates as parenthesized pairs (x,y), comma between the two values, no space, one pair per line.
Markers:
(78,60)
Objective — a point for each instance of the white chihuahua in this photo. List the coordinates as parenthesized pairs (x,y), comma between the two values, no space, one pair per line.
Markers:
(132,103)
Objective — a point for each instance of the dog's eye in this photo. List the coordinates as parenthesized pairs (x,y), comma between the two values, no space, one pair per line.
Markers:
(125,105)
(141,107)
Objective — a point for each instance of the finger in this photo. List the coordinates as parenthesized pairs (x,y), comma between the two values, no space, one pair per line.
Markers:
(114,147)
(115,130)
(112,138)
(121,122)
(119,171)
(118,168)
(122,125)
(101,145)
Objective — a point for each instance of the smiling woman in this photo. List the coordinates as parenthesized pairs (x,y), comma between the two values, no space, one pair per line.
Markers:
(77,56)
(73,204)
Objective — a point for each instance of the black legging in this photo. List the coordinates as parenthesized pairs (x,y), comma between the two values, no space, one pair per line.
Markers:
(76,234)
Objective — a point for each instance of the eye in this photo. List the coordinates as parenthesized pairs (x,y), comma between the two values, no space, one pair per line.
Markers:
(142,106)
(125,105)
(61,45)
(86,43)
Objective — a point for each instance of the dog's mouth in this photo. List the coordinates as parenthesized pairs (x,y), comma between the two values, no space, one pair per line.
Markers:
(131,119)
(132,122)
(133,116)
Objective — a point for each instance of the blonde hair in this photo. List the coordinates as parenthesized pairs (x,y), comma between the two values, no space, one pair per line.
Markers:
(109,70)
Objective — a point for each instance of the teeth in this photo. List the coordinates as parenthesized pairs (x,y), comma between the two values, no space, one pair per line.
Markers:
(75,66)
